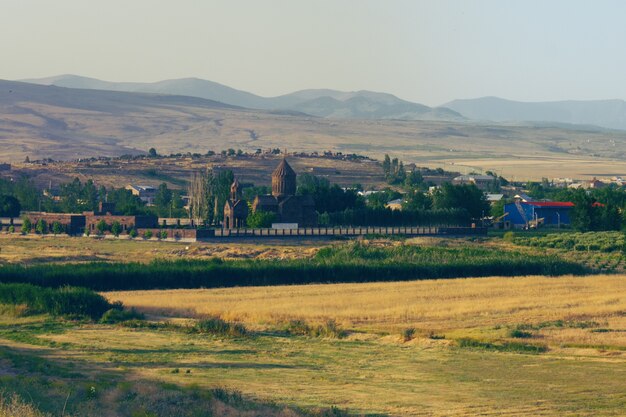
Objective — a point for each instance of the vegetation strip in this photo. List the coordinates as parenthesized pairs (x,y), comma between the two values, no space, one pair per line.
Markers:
(353,262)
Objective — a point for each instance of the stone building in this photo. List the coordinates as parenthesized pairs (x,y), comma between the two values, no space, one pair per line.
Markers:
(235,209)
(288,207)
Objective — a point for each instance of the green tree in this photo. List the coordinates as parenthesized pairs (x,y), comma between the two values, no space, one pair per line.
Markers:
(101,227)
(41,227)
(163,234)
(132,233)
(57,228)
(260,219)
(163,200)
(9,206)
(27,225)
(116,228)
(152,153)
(147,234)
(467,197)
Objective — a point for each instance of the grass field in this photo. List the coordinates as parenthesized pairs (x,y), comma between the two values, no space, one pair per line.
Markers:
(468,355)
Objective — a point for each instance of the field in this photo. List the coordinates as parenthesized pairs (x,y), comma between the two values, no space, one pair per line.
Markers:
(515,346)
(463,359)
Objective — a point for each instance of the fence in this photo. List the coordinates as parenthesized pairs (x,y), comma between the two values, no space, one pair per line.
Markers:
(351,231)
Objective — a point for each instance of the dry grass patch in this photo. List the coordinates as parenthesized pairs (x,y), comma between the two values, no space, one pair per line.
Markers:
(478,307)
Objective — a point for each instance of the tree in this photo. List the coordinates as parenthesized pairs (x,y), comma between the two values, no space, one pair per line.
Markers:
(125,202)
(27,226)
(41,227)
(152,153)
(163,200)
(101,227)
(57,228)
(467,197)
(116,228)
(163,234)
(387,166)
(147,234)
(260,219)
(9,206)
(132,233)
(417,200)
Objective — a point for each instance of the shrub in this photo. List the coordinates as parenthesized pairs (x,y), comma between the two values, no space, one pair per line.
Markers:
(132,233)
(116,315)
(147,234)
(56,301)
(41,227)
(27,225)
(102,227)
(408,334)
(509,236)
(501,347)
(163,234)
(329,329)
(217,326)
(298,327)
(116,228)
(11,229)
(520,334)
(57,228)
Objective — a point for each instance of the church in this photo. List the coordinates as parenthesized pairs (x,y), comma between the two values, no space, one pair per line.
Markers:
(283,202)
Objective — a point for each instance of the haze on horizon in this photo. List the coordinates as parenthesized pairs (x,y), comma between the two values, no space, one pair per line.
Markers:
(429,52)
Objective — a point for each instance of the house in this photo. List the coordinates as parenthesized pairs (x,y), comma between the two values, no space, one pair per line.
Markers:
(146,193)
(523,197)
(483,182)
(528,214)
(493,198)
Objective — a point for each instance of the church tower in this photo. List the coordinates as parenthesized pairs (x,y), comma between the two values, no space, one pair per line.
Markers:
(235,193)
(283,180)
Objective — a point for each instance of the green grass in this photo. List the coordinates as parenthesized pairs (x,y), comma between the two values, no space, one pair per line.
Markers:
(190,373)
(352,262)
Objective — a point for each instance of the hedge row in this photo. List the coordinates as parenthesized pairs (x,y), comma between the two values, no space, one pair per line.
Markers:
(351,263)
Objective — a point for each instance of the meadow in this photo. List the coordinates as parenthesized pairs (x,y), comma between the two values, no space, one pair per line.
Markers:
(523,346)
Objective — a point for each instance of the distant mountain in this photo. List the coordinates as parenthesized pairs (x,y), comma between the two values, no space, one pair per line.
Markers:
(604,113)
(315,102)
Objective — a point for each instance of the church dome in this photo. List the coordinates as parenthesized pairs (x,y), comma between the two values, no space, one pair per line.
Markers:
(283,170)
(283,180)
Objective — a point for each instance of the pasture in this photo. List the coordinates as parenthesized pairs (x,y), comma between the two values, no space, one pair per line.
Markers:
(469,353)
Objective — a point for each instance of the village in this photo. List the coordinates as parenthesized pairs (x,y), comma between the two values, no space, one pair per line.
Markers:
(408,201)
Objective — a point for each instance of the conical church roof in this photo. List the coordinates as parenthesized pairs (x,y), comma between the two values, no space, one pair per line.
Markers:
(283,170)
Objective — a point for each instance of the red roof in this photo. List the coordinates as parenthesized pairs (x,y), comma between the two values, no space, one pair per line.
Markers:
(550,204)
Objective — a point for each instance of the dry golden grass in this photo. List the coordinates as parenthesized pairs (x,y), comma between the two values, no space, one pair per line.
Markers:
(461,306)
(35,249)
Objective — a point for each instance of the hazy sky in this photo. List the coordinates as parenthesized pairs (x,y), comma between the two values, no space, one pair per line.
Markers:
(425,51)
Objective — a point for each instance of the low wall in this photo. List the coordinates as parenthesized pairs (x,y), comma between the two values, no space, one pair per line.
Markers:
(352,231)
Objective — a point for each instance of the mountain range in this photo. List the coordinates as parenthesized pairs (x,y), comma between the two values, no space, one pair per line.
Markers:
(604,113)
(316,102)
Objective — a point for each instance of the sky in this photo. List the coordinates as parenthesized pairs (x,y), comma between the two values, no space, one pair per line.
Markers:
(429,52)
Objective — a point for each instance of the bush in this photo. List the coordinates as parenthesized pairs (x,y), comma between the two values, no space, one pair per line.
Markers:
(408,334)
(520,334)
(217,326)
(58,302)
(11,229)
(57,228)
(116,315)
(27,226)
(102,227)
(116,228)
(132,233)
(41,227)
(329,329)
(163,234)
(147,234)
(298,328)
(509,236)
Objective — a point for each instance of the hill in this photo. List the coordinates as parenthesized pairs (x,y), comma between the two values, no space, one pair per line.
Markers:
(316,102)
(604,113)
(66,123)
